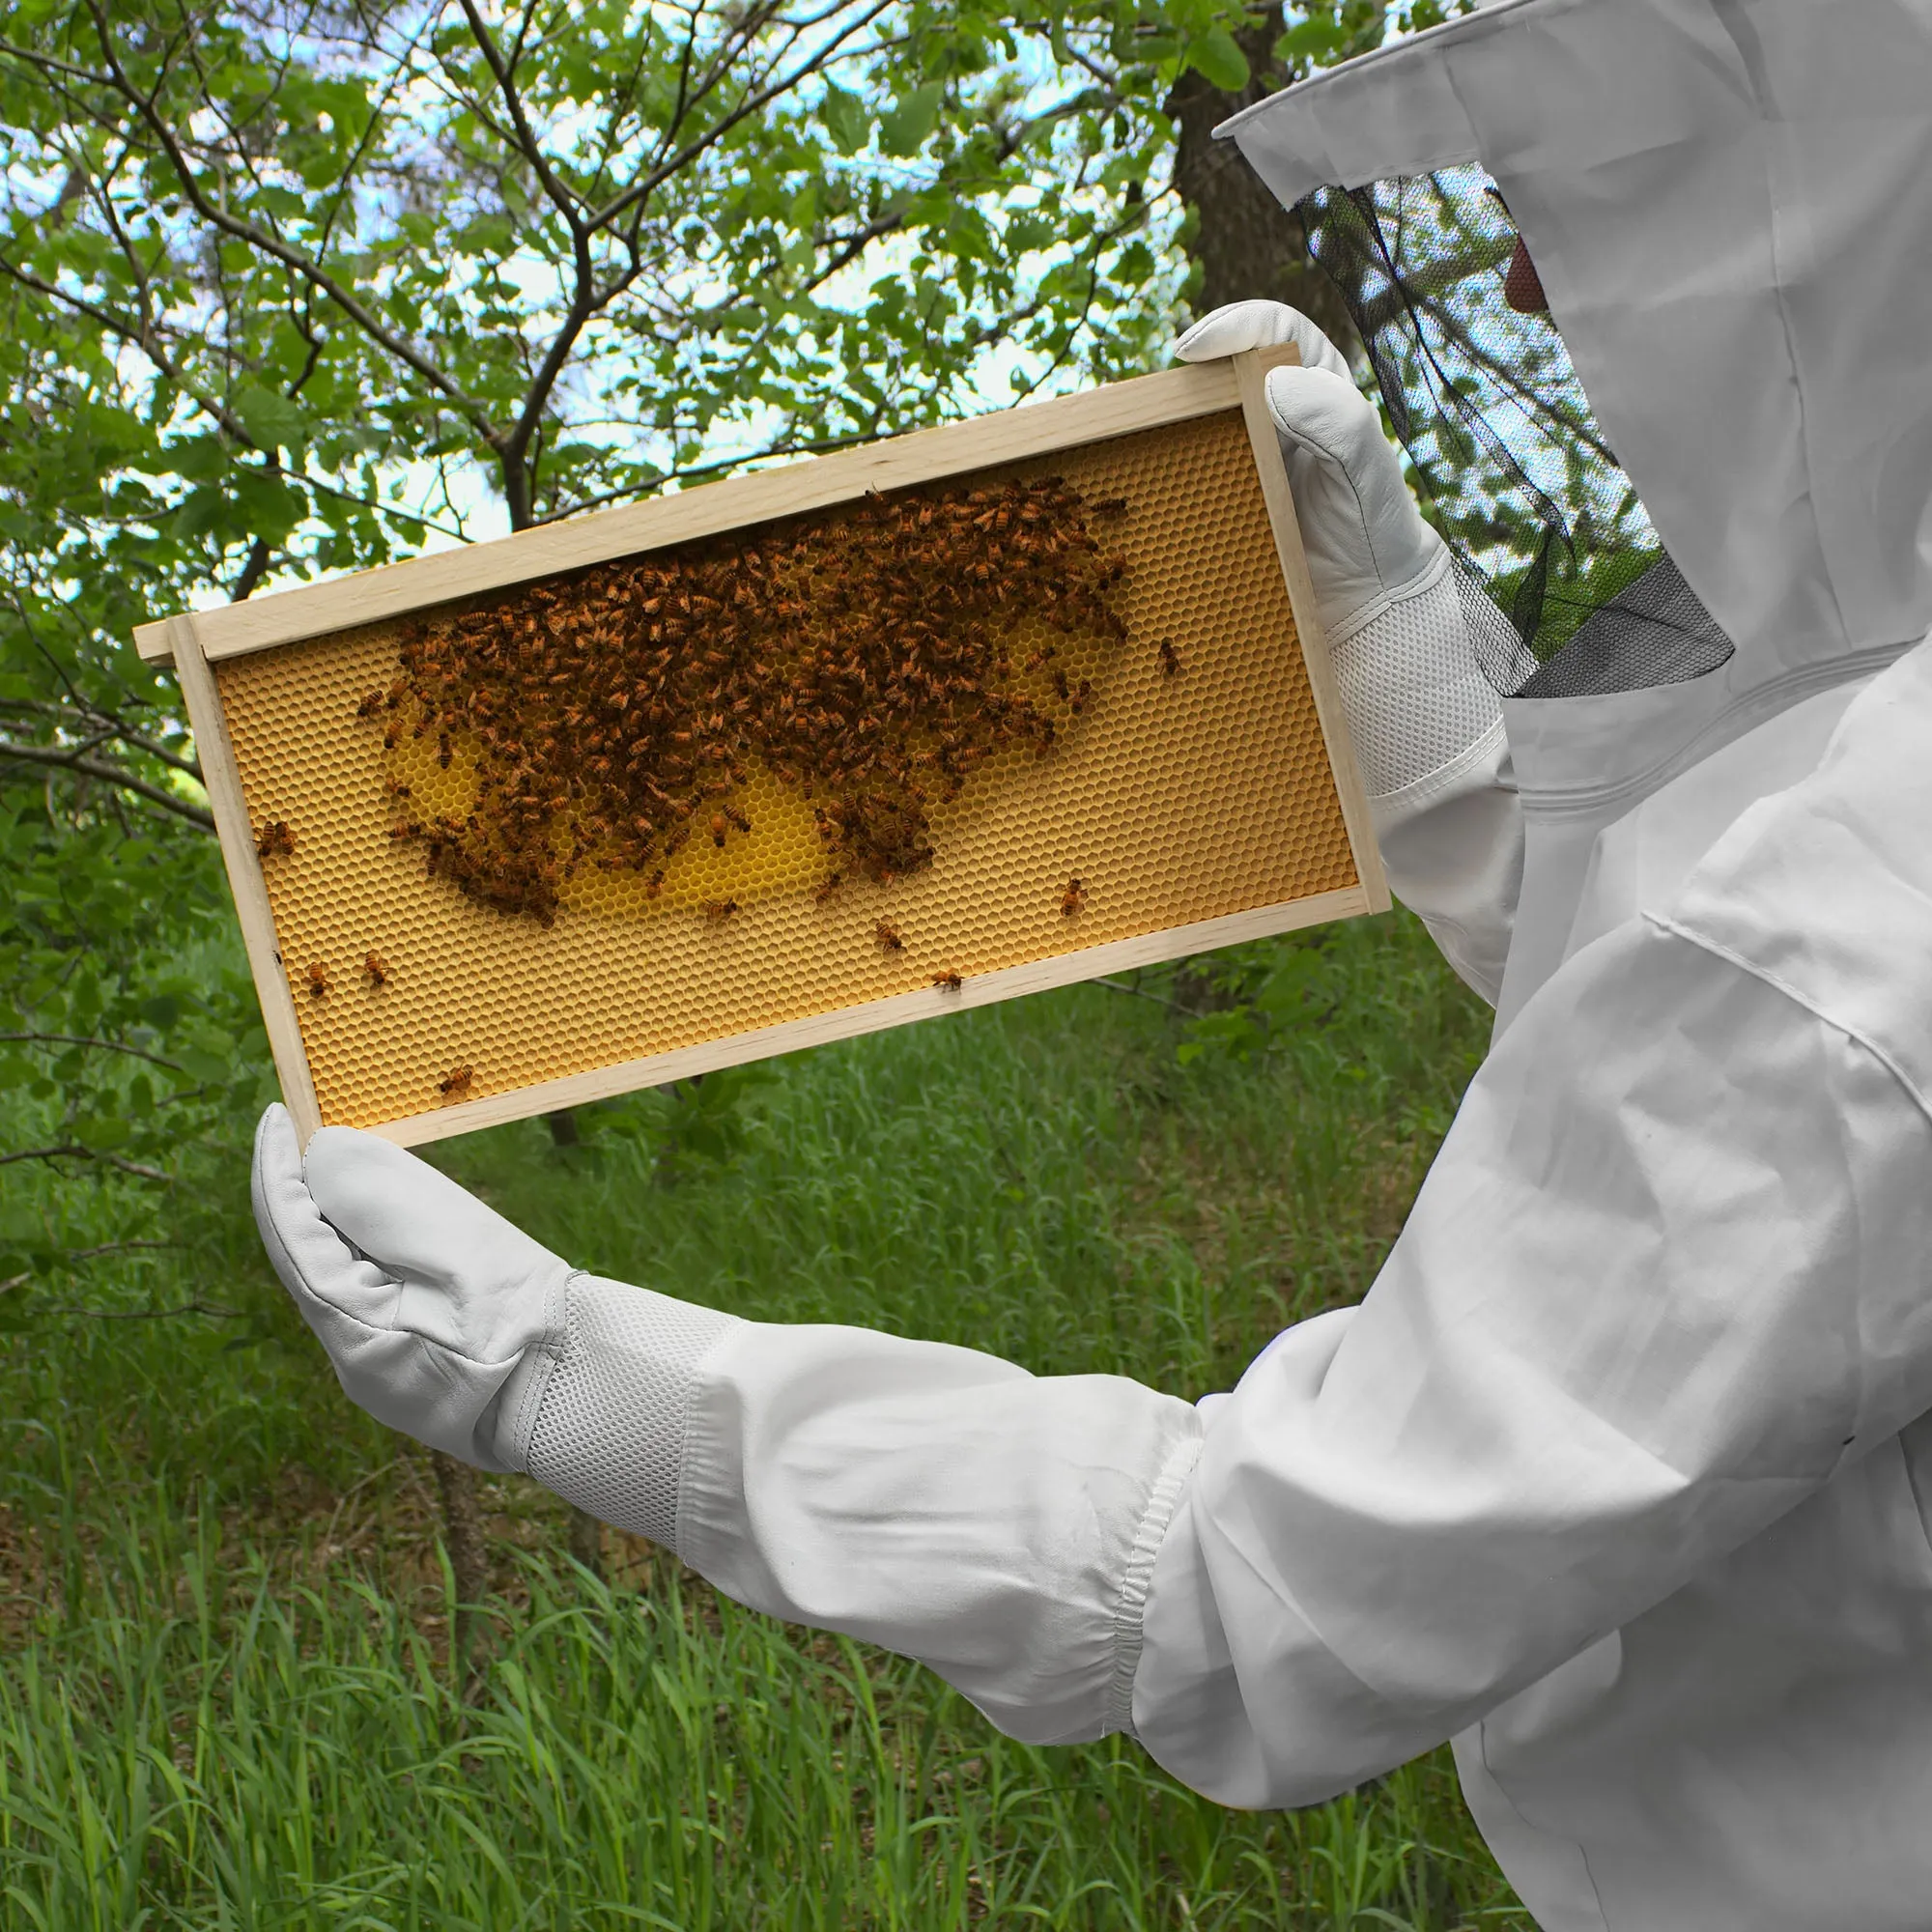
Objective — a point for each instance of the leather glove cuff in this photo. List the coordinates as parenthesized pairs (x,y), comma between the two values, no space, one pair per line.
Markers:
(602,1410)
(1417,698)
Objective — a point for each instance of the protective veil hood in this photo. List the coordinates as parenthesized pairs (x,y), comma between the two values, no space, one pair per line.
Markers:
(1729,207)
(1729,204)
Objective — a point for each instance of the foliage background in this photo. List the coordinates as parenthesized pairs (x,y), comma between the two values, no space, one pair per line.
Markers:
(293,289)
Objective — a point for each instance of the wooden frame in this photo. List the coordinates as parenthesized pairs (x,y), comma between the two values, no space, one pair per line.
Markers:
(195,641)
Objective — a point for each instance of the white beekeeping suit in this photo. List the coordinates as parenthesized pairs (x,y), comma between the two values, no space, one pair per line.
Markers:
(1615,1476)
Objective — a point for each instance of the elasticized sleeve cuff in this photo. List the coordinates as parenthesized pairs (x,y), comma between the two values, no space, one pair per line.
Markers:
(996,1526)
(999,1527)
(1168,1489)
(1453,845)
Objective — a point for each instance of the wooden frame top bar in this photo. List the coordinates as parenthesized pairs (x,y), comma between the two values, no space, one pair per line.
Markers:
(686,516)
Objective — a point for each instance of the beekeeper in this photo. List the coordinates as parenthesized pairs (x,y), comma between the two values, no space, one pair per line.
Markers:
(1619,1475)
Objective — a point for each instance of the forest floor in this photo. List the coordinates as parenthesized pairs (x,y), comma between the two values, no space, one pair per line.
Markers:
(226,1692)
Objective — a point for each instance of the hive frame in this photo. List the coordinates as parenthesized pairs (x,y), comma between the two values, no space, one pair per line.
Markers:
(193,642)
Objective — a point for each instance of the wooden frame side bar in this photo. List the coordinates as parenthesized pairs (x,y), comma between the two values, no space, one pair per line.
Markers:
(893,463)
(221,778)
(1251,371)
(1038,976)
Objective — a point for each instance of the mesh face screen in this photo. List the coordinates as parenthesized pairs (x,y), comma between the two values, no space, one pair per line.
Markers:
(1505,453)
(1175,799)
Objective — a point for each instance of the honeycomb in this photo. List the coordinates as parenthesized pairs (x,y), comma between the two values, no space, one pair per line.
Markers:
(1179,798)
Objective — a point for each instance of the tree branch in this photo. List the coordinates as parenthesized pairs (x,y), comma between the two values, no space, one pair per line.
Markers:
(259,239)
(74,1151)
(751,103)
(53,757)
(117,728)
(562,199)
(254,567)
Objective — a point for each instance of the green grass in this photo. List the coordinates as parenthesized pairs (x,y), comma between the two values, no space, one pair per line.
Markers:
(226,1698)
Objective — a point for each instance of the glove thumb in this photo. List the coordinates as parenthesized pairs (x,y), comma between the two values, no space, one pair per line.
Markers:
(466,1278)
(1365,538)
(1260,324)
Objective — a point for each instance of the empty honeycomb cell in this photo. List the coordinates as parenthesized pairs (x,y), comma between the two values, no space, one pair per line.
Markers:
(1175,800)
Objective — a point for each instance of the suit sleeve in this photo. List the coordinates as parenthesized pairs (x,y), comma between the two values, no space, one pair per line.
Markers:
(1667,1275)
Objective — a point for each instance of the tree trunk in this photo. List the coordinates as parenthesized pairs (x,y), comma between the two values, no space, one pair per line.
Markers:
(1242,240)
(468,1560)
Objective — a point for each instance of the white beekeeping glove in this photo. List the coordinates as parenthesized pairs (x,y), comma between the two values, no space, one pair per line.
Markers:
(447,1321)
(1425,721)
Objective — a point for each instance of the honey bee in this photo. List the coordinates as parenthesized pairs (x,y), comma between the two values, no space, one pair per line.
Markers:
(737,818)
(888,936)
(275,839)
(718,828)
(824,891)
(1170,662)
(717,911)
(457,1083)
(654,885)
(370,705)
(318,980)
(1073,899)
(949,982)
(377,969)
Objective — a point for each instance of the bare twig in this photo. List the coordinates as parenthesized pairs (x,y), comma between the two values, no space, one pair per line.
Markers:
(114,1248)
(1141,993)
(88,1039)
(58,757)
(73,1151)
(212,1310)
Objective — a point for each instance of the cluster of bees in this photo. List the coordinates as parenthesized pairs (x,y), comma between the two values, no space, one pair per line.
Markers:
(873,659)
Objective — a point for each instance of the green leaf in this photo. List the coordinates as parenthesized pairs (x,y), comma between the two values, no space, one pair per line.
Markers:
(270,508)
(272,420)
(199,513)
(1314,39)
(904,130)
(846,119)
(200,458)
(212,1068)
(282,203)
(1218,61)
(105,1132)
